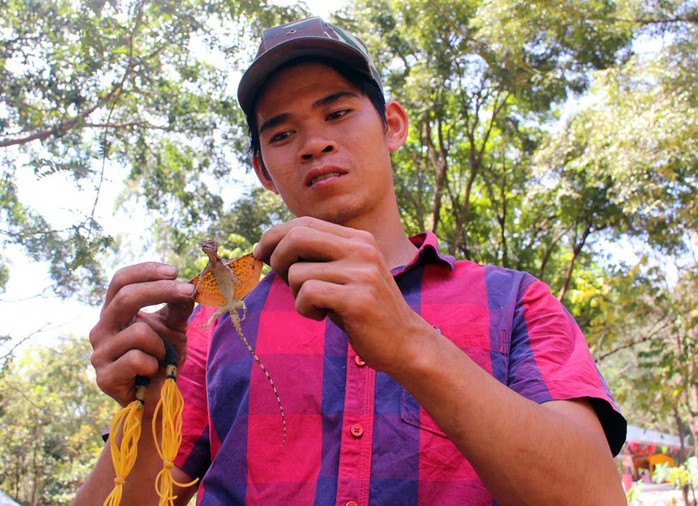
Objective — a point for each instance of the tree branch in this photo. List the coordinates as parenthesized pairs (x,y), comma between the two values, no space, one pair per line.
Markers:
(63,126)
(649,337)
(575,253)
(70,123)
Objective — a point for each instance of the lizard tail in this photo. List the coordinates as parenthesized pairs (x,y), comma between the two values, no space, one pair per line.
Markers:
(236,323)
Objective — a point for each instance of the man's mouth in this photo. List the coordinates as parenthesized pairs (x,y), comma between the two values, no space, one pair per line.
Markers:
(324,176)
(314,178)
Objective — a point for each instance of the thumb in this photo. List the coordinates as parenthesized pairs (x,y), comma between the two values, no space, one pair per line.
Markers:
(176,314)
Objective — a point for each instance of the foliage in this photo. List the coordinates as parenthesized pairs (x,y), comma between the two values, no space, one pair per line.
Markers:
(542,137)
(633,495)
(51,417)
(648,348)
(481,96)
(91,86)
(125,82)
(72,253)
(673,356)
(635,142)
(679,476)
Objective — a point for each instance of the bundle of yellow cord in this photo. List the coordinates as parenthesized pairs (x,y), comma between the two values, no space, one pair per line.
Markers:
(123,454)
(169,410)
(128,422)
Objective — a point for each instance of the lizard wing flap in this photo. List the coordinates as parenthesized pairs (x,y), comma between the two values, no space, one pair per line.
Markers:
(247,270)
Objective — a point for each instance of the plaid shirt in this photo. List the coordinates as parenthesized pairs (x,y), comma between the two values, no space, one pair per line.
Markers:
(355,436)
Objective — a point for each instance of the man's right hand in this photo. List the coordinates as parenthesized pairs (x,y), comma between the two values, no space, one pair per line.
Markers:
(128,341)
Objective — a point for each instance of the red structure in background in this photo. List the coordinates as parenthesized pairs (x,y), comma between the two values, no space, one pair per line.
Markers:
(645,449)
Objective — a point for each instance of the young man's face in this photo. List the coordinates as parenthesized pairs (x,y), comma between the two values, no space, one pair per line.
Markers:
(325,148)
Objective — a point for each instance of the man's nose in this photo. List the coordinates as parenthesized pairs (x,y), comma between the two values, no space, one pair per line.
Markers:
(316,144)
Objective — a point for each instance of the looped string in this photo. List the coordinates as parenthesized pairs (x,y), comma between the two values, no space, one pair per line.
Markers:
(124,448)
(169,411)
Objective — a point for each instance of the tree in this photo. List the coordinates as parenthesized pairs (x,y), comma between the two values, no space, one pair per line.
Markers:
(488,165)
(673,357)
(635,141)
(92,86)
(540,134)
(481,80)
(52,416)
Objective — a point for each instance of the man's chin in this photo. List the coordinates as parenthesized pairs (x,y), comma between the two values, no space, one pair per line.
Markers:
(342,217)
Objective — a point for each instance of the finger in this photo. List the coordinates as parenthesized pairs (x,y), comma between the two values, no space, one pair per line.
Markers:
(117,379)
(344,302)
(170,323)
(129,300)
(271,238)
(138,336)
(138,273)
(303,244)
(174,316)
(300,272)
(315,298)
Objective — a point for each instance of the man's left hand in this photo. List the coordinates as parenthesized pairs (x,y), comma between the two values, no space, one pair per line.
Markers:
(340,272)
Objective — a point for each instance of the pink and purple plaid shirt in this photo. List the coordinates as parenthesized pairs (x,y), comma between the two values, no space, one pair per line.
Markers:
(355,436)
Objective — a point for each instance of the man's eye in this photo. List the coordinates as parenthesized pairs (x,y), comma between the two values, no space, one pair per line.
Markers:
(279,137)
(337,114)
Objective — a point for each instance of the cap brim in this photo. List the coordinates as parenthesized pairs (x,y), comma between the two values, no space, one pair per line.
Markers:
(266,64)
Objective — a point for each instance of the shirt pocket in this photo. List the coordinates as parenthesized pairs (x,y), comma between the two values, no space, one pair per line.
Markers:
(486,346)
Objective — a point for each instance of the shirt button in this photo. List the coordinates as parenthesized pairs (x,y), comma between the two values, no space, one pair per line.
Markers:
(357,430)
(359,361)
(352,503)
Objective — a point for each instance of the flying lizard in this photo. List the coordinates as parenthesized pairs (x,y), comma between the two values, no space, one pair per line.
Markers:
(223,284)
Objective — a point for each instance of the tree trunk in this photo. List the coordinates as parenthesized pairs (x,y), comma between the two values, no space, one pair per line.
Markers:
(692,399)
(570,268)
(440,165)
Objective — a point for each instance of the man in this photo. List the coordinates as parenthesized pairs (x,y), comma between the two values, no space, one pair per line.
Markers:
(406,377)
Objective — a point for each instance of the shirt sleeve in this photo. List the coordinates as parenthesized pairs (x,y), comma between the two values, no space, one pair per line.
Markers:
(194,454)
(550,359)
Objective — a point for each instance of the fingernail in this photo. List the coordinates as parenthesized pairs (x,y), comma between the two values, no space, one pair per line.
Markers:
(185,288)
(169,271)
(255,250)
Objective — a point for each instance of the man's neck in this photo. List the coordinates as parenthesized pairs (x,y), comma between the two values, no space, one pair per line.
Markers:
(393,242)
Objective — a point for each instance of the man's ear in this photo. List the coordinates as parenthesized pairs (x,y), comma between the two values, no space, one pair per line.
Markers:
(398,123)
(263,173)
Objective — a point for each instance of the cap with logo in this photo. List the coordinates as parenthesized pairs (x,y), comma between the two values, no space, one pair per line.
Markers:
(308,37)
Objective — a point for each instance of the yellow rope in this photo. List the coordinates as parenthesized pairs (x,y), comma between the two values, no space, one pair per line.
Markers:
(123,453)
(127,421)
(169,409)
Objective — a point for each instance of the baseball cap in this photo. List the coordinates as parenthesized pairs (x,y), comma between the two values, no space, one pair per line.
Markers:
(308,37)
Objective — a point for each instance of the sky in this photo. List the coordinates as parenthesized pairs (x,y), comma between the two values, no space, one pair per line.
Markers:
(27,311)
(31,314)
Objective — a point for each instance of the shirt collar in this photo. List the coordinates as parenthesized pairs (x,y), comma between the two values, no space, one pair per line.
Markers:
(427,252)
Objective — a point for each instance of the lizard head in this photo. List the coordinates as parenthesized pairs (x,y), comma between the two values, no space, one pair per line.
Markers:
(209,246)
